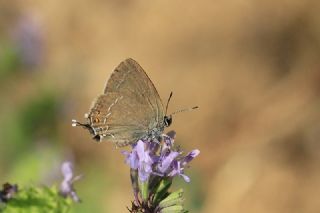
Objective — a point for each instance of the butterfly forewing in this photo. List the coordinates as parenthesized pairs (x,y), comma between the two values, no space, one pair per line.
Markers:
(129,108)
(129,78)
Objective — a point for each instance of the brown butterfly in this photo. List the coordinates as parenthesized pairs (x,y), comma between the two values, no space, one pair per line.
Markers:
(130,108)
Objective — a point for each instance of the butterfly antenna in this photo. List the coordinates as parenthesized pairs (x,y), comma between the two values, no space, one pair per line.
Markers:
(185,110)
(168,101)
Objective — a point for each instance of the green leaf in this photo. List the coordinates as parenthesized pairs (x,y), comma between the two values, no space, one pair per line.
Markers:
(143,186)
(38,200)
(134,180)
(173,199)
(173,209)
(162,190)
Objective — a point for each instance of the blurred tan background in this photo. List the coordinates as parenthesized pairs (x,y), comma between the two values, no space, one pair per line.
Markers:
(253,68)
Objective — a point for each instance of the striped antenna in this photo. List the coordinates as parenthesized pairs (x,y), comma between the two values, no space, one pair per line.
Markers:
(185,110)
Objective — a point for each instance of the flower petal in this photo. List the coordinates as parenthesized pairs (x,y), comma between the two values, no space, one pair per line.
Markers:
(189,157)
(185,177)
(167,161)
(67,170)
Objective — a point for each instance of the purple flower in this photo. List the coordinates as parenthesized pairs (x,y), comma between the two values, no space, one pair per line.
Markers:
(189,157)
(140,158)
(178,170)
(29,41)
(153,166)
(152,158)
(132,159)
(170,166)
(166,161)
(66,187)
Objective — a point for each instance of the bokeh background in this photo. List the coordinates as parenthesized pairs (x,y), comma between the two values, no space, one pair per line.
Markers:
(253,68)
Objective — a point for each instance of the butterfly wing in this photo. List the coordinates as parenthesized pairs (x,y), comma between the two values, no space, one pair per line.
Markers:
(129,108)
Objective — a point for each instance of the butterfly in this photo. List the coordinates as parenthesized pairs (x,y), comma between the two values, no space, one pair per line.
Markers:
(130,108)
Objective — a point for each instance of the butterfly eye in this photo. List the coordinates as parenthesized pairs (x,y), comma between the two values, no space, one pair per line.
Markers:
(96,120)
(167,120)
